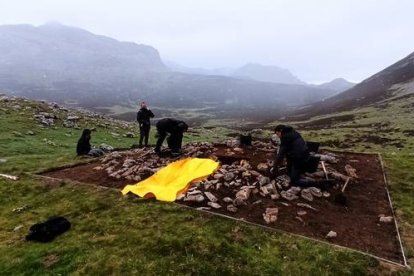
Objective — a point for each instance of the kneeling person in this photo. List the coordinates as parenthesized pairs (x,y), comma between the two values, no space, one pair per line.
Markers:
(84,146)
(294,149)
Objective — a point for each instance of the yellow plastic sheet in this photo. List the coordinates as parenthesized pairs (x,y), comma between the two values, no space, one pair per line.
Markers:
(174,179)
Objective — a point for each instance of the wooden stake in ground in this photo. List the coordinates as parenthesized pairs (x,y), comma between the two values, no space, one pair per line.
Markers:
(341,197)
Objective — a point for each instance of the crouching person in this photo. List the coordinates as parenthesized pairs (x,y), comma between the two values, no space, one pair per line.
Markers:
(84,146)
(175,128)
(294,149)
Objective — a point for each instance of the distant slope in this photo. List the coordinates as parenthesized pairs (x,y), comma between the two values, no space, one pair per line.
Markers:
(397,79)
(267,74)
(338,85)
(60,52)
(73,66)
(251,71)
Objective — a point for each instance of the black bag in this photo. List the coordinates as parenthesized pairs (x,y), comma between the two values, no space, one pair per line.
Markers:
(245,140)
(312,146)
(312,164)
(48,230)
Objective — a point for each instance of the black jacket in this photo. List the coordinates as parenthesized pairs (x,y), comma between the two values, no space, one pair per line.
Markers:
(293,147)
(83,147)
(143,117)
(171,126)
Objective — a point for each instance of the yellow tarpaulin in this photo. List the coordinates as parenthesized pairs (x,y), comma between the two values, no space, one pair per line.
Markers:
(170,181)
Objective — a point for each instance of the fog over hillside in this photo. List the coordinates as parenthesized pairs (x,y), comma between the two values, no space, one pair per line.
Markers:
(74,66)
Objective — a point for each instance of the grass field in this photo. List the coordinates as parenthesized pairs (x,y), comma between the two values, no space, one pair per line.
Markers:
(112,234)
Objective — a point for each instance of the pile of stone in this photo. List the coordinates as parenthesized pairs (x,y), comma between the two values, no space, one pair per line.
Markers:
(137,164)
(240,184)
(45,118)
(233,186)
(244,185)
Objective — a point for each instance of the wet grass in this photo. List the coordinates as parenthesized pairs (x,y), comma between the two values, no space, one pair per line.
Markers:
(112,234)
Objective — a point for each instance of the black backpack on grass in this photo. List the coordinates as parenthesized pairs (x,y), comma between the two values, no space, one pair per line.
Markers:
(48,230)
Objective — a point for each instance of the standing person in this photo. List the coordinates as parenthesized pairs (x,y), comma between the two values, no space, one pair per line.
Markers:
(143,117)
(175,128)
(84,145)
(294,149)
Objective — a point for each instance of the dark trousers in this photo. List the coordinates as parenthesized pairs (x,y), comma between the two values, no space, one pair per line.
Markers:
(295,171)
(174,140)
(143,135)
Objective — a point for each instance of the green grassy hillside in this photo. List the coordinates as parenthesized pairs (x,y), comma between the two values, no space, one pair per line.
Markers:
(112,234)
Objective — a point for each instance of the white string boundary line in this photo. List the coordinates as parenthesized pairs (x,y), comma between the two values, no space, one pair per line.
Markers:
(279,230)
(247,222)
(392,210)
(296,235)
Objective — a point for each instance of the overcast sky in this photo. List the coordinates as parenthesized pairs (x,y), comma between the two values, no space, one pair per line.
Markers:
(316,40)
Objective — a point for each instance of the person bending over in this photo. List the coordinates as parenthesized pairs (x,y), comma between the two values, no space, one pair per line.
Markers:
(175,128)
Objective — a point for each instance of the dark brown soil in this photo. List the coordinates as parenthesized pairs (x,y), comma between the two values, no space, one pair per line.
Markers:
(356,224)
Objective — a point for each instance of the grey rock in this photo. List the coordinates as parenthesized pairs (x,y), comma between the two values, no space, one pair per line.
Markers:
(386,219)
(194,198)
(283,180)
(274,196)
(315,191)
(229,176)
(332,234)
(262,167)
(18,227)
(232,208)
(227,199)
(270,215)
(304,205)
(306,194)
(203,208)
(288,196)
(17,134)
(210,197)
(264,180)
(301,213)
(218,176)
(73,118)
(214,205)
(107,148)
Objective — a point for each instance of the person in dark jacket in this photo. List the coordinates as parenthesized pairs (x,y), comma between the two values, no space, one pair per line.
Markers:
(175,128)
(143,117)
(294,149)
(84,146)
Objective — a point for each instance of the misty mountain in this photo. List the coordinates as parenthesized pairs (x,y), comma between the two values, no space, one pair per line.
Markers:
(175,67)
(73,66)
(393,82)
(267,74)
(251,71)
(338,85)
(57,53)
